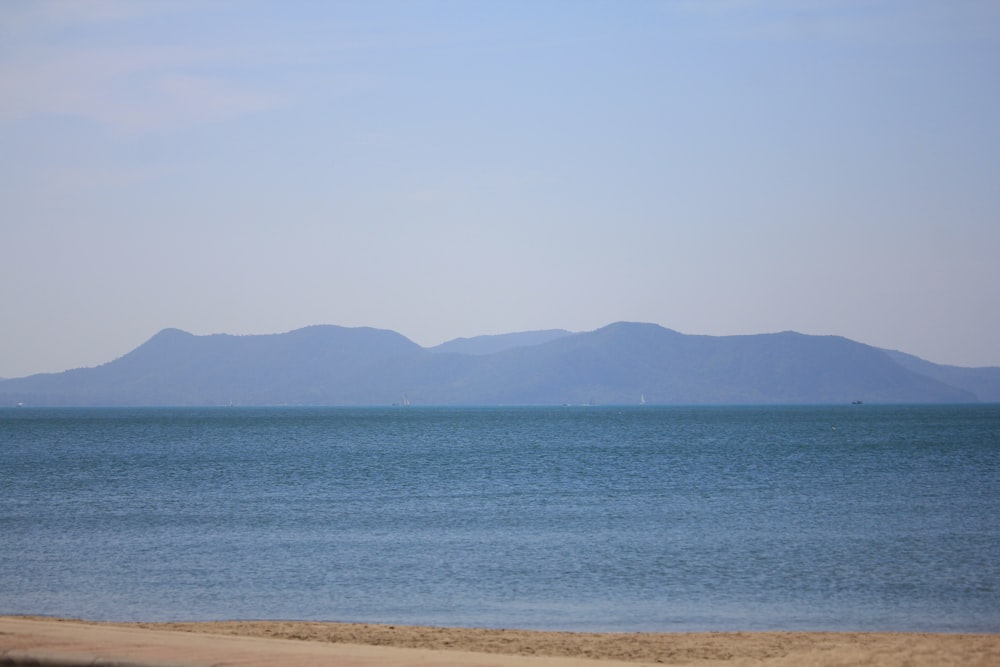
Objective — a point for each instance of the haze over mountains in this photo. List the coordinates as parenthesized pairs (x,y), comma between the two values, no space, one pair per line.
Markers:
(622,363)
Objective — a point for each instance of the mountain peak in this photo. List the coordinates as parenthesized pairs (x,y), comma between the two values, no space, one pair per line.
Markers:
(171,333)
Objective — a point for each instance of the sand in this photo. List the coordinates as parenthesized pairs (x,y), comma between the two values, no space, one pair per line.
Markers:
(270,643)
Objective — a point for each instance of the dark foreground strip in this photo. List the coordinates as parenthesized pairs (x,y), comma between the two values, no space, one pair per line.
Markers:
(20,658)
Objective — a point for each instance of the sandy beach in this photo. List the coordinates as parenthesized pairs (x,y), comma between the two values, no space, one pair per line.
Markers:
(47,641)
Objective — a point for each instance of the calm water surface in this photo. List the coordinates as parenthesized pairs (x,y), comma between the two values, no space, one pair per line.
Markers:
(645,518)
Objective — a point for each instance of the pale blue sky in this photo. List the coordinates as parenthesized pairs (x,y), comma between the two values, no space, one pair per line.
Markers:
(451,169)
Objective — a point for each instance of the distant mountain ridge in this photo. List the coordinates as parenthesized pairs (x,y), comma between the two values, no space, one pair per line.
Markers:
(492,344)
(617,364)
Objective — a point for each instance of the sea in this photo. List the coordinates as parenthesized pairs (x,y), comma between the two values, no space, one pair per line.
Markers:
(585,518)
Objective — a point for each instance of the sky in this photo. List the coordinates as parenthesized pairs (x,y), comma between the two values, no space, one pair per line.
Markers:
(459,168)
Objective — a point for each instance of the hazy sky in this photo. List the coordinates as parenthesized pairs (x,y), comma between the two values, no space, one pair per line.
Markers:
(451,169)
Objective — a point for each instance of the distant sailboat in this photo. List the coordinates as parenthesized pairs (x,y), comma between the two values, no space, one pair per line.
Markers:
(642,399)
(406,399)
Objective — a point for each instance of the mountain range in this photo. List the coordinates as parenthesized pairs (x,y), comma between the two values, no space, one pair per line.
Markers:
(622,363)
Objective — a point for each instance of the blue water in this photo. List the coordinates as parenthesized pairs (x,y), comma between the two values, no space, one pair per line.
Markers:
(576,518)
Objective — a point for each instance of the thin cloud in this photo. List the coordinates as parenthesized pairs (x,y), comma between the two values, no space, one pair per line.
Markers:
(845,21)
(27,18)
(154,66)
(132,89)
(55,62)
